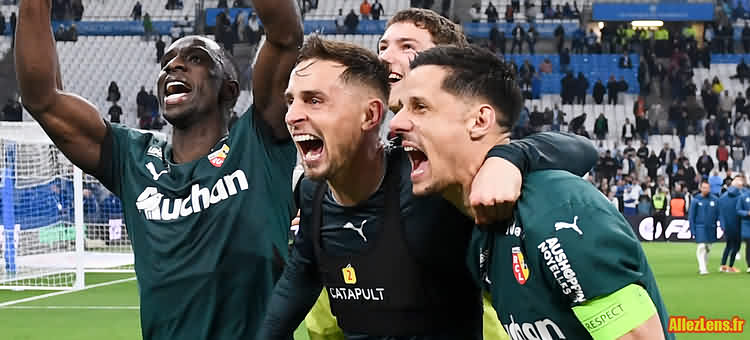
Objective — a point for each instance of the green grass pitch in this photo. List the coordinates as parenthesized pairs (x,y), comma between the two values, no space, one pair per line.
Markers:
(111,312)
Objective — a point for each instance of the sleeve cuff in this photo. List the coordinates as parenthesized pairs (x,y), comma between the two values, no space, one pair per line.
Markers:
(511,153)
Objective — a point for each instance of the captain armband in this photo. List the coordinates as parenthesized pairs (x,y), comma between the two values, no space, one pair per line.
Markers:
(612,316)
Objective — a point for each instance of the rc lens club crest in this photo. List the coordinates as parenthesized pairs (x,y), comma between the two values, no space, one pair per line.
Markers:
(217,157)
(520,269)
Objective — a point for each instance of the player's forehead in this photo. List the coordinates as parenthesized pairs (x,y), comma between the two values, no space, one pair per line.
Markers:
(314,75)
(195,42)
(423,82)
(407,31)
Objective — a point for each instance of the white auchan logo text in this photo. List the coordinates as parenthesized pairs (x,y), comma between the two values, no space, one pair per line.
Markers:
(538,330)
(157,208)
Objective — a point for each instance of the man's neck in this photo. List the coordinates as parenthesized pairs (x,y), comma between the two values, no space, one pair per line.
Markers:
(458,193)
(349,186)
(196,140)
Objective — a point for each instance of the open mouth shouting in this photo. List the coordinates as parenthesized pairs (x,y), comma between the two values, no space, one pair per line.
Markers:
(176,91)
(394,77)
(419,162)
(310,146)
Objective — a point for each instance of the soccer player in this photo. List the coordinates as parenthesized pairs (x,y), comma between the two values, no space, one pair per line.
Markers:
(569,266)
(392,265)
(409,32)
(730,223)
(743,210)
(208,215)
(702,216)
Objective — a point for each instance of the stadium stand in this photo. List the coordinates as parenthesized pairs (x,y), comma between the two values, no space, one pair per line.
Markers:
(723,66)
(98,10)
(4,46)
(520,16)
(593,66)
(369,41)
(131,62)
(329,9)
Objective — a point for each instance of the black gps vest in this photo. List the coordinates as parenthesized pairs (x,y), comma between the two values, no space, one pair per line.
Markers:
(384,290)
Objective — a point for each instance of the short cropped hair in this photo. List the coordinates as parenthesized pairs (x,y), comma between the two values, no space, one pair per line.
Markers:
(442,30)
(476,72)
(230,74)
(362,65)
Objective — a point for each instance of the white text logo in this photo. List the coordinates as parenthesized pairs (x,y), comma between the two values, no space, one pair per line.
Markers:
(557,262)
(537,330)
(344,293)
(156,207)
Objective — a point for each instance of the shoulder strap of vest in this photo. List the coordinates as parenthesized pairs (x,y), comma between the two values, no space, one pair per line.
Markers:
(297,198)
(392,182)
(317,217)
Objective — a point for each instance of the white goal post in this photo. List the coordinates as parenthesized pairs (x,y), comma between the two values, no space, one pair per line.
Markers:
(56,223)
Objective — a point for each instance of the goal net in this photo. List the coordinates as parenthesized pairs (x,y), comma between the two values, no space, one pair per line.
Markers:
(56,223)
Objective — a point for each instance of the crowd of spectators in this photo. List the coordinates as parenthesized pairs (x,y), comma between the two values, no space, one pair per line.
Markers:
(148,116)
(647,181)
(69,33)
(348,23)
(644,180)
(243,29)
(67,10)
(531,11)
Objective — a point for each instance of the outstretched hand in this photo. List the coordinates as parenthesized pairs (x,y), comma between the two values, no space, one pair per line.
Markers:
(494,191)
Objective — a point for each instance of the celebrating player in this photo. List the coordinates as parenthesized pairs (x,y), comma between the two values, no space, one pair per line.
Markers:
(207,215)
(407,33)
(382,255)
(569,267)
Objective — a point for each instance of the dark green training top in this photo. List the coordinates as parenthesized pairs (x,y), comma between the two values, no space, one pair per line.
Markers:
(209,236)
(567,245)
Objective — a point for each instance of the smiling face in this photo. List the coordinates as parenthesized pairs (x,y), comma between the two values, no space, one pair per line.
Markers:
(190,79)
(326,116)
(399,46)
(433,125)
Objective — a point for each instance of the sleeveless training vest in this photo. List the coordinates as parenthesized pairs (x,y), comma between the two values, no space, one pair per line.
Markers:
(659,200)
(677,207)
(383,290)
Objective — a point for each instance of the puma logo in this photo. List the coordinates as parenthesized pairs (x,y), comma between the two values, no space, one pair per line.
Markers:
(359,230)
(564,225)
(152,170)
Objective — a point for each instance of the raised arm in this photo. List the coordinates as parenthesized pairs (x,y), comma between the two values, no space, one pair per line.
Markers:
(73,124)
(549,151)
(276,59)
